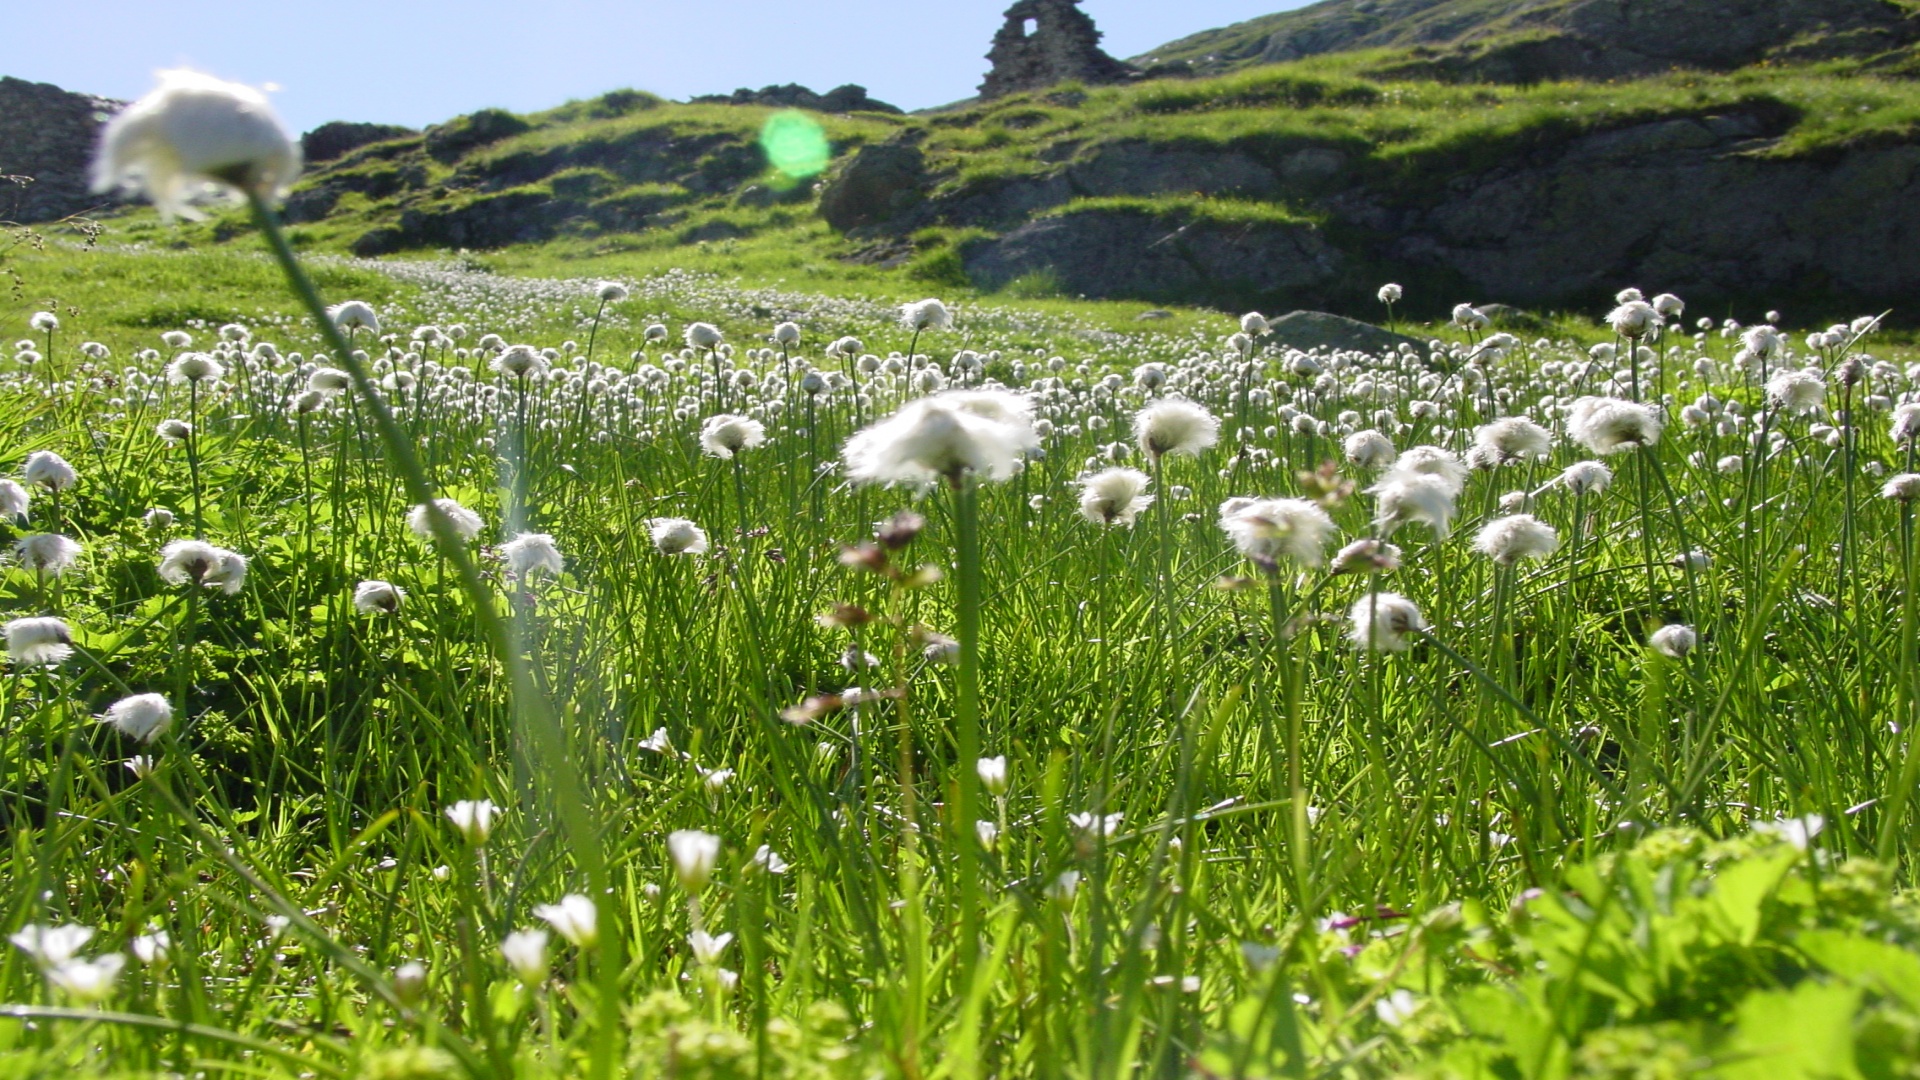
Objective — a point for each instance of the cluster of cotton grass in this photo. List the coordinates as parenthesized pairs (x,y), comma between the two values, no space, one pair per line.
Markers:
(1482,476)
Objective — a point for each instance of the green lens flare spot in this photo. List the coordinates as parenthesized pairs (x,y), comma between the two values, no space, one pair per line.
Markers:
(796,144)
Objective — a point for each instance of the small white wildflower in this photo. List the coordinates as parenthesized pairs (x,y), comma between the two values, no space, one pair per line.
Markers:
(525,952)
(693,854)
(473,820)
(574,918)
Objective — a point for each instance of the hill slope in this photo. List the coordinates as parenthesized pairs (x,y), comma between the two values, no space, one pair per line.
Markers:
(1529,40)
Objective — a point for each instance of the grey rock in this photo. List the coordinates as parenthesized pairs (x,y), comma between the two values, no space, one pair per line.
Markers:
(1310,330)
(1118,254)
(47,137)
(336,139)
(879,183)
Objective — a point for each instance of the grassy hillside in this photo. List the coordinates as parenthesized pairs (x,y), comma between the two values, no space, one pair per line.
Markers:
(628,184)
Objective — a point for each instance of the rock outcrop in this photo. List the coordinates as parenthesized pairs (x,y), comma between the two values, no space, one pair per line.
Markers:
(1699,205)
(841,99)
(1141,254)
(878,184)
(335,140)
(1044,43)
(47,136)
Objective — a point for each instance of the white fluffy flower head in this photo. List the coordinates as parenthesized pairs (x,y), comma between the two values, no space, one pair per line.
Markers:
(677,536)
(191,131)
(143,716)
(1509,539)
(197,562)
(1114,496)
(530,552)
(983,432)
(727,434)
(39,641)
(1386,621)
(1608,426)
(1269,530)
(1174,426)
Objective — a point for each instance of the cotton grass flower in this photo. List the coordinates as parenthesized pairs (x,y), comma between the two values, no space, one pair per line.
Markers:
(703,335)
(1608,426)
(1585,478)
(197,562)
(1513,439)
(1369,450)
(191,131)
(143,717)
(173,432)
(677,536)
(1174,426)
(1673,641)
(530,552)
(929,314)
(1413,498)
(1634,319)
(1798,392)
(1387,622)
(14,501)
(39,641)
(1509,539)
(378,598)
(351,315)
(1904,487)
(47,553)
(1266,531)
(49,470)
(194,368)
(466,524)
(574,918)
(725,435)
(610,292)
(693,854)
(944,437)
(1366,557)
(520,362)
(1114,496)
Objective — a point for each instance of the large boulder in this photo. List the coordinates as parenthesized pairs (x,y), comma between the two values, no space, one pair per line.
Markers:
(1310,330)
(879,183)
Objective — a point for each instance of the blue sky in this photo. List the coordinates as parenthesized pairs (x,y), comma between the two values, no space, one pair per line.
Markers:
(419,61)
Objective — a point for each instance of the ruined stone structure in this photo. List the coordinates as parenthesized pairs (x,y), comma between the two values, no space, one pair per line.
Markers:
(1045,42)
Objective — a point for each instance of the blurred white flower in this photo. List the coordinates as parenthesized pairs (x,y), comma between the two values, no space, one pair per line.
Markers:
(191,131)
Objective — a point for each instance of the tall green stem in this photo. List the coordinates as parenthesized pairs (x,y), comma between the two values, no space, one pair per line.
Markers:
(530,706)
